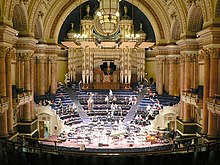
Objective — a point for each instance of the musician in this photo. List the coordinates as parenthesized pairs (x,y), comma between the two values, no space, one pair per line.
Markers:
(107,99)
(80,85)
(110,94)
(90,103)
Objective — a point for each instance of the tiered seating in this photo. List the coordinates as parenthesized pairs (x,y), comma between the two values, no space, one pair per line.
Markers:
(150,105)
(103,111)
(65,108)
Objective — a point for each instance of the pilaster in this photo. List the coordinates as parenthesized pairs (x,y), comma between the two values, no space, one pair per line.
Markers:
(3,92)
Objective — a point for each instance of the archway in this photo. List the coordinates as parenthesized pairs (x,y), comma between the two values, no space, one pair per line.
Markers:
(20,18)
(195,19)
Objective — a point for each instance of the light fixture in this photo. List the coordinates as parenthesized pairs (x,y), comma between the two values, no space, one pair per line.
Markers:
(110,31)
(107,17)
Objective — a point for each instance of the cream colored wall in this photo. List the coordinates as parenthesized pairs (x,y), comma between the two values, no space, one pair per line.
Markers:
(13,73)
(201,73)
(150,68)
(62,66)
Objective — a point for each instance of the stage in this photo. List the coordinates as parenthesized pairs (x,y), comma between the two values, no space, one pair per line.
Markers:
(106,85)
(115,138)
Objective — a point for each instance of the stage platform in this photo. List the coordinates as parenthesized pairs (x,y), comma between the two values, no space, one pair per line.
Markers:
(111,138)
(106,85)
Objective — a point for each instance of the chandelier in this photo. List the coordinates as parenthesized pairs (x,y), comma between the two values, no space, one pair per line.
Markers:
(107,17)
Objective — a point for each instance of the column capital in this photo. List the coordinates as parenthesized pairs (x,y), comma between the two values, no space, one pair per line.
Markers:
(214,52)
(195,57)
(204,54)
(3,51)
(181,59)
(27,55)
(10,53)
(41,58)
(188,57)
(33,57)
(53,58)
(172,59)
(160,59)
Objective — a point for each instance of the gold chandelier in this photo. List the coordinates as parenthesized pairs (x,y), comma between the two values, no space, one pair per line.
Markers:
(107,17)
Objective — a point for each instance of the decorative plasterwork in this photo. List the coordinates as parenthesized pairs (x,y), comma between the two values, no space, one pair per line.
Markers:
(58,13)
(8,35)
(20,18)
(51,8)
(54,28)
(188,45)
(155,16)
(210,37)
(195,18)
(26,43)
(217,9)
(160,50)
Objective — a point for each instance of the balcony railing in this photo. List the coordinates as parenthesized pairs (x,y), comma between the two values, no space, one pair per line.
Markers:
(213,105)
(193,99)
(4,104)
(22,98)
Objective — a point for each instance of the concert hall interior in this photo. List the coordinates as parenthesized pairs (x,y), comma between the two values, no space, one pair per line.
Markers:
(110,81)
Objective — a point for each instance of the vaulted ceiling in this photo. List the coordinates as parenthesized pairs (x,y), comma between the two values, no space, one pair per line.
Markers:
(170,19)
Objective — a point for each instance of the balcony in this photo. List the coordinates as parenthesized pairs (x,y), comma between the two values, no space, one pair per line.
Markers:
(193,99)
(4,104)
(22,98)
(213,105)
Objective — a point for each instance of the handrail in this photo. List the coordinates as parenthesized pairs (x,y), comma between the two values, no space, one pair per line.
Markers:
(41,148)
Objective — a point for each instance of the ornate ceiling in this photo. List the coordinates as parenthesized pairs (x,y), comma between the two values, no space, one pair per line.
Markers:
(170,19)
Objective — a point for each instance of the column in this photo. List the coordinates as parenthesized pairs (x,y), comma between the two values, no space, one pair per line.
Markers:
(27,85)
(177,78)
(41,86)
(10,114)
(187,82)
(122,66)
(3,117)
(32,83)
(18,70)
(53,61)
(157,73)
(205,90)
(160,75)
(182,73)
(46,74)
(167,80)
(195,73)
(172,61)
(212,124)
(21,71)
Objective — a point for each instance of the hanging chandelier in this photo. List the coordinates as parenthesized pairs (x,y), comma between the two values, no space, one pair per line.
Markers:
(107,17)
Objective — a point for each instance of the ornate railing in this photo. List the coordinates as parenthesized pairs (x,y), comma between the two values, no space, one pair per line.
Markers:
(22,99)
(193,99)
(4,104)
(213,105)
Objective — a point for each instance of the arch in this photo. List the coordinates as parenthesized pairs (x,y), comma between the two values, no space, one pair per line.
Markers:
(1,14)
(20,17)
(217,9)
(175,30)
(38,30)
(195,18)
(61,12)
